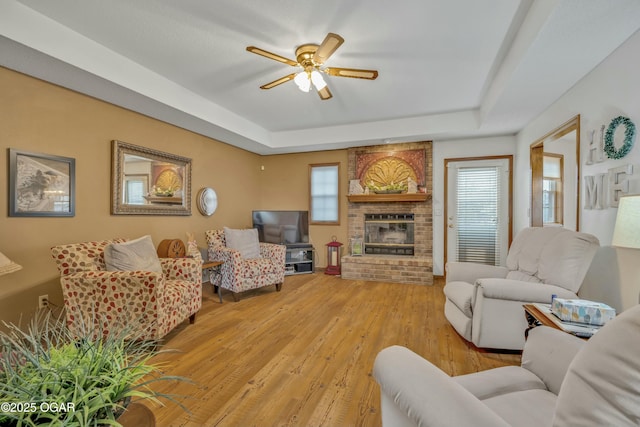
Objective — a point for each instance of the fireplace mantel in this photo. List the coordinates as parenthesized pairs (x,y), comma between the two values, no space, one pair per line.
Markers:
(373,198)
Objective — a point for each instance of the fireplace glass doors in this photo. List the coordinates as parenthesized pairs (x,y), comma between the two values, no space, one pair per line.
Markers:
(389,234)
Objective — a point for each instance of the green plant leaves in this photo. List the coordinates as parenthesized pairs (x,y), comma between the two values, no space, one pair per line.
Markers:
(49,376)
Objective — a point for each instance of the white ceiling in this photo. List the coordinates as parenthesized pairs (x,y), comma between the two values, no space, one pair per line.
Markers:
(447,68)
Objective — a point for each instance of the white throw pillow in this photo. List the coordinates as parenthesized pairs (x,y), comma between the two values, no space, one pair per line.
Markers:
(244,241)
(132,255)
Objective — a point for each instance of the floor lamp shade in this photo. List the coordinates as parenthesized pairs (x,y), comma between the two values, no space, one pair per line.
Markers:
(7,266)
(626,233)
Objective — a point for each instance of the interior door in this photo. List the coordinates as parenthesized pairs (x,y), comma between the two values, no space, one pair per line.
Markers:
(478,210)
(537,177)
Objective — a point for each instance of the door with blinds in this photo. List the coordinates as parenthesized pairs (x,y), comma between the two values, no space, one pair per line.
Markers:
(478,210)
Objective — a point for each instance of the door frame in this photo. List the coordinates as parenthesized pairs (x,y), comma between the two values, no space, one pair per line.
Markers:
(536,153)
(508,157)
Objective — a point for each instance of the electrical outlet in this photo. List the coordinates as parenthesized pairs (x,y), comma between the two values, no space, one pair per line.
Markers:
(43,301)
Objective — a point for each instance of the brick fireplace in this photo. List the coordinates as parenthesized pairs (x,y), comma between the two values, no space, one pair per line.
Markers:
(394,259)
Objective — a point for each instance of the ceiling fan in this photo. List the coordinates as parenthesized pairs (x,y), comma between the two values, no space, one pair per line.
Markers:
(311,57)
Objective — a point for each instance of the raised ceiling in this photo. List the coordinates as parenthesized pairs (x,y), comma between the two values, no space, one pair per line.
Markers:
(447,68)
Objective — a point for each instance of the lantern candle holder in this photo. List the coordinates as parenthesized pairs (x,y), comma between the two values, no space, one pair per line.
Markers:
(356,246)
(333,257)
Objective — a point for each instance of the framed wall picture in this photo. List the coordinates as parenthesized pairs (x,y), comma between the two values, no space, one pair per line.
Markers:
(41,184)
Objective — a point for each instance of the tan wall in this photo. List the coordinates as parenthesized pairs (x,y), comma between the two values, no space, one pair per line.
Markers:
(284,184)
(40,117)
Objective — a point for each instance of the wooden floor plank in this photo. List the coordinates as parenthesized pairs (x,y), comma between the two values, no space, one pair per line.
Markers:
(304,356)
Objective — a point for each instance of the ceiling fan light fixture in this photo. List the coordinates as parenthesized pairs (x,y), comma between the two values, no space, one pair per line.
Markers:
(317,80)
(302,81)
(309,60)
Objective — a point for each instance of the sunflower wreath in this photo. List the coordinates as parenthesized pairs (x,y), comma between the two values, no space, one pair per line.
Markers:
(629,134)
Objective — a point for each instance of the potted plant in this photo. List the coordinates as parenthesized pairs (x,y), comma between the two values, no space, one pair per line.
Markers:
(50,375)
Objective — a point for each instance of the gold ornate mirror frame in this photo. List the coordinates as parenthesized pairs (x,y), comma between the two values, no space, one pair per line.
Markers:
(149,182)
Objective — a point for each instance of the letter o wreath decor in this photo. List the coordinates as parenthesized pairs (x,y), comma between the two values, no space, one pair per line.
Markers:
(629,134)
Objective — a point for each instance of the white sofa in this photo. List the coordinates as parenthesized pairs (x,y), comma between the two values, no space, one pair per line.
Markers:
(484,303)
(563,381)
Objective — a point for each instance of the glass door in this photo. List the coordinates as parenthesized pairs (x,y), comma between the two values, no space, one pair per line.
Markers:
(478,211)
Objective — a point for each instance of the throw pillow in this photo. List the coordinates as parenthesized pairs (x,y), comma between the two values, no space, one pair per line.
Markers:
(244,241)
(132,255)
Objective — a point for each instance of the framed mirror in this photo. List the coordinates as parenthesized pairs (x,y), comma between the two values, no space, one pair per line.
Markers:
(149,182)
(555,172)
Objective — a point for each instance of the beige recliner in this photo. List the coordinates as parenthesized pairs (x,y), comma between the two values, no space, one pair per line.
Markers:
(563,381)
(484,303)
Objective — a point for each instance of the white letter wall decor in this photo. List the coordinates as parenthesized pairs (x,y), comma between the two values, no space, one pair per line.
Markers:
(618,183)
(596,148)
(594,191)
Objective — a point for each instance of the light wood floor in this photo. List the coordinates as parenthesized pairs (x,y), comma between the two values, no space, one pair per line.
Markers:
(303,356)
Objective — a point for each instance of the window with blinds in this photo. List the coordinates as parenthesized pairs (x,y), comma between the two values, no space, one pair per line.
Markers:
(324,183)
(134,192)
(478,214)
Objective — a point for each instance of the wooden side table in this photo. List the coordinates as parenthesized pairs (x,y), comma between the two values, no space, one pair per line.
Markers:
(536,317)
(214,267)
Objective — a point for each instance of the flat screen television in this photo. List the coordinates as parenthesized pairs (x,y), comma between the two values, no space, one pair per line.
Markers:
(289,228)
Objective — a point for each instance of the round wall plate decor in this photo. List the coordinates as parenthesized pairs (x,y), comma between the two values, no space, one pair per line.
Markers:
(207,201)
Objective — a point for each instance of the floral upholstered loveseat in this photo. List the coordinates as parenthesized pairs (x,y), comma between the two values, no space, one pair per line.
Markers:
(241,272)
(149,304)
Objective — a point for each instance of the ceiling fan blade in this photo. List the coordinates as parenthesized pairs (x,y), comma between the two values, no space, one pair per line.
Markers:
(278,82)
(325,93)
(352,72)
(329,45)
(271,55)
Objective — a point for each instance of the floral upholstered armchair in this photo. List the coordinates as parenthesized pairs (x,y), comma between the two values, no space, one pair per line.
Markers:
(249,267)
(154,302)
